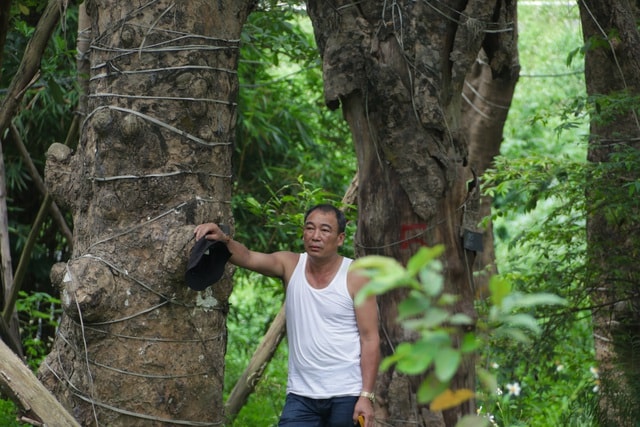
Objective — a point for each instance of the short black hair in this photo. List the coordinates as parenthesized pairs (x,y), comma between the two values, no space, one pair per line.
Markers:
(326,207)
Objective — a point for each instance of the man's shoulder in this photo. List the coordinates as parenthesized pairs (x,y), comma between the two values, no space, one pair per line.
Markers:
(289,260)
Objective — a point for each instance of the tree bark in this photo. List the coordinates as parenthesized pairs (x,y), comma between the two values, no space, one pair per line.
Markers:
(9,325)
(487,94)
(135,346)
(398,70)
(612,68)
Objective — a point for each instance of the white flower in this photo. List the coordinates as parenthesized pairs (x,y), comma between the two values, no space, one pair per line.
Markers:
(499,391)
(513,389)
(594,371)
(559,368)
(494,365)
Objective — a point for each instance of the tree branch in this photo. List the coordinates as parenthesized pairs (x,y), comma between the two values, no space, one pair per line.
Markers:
(259,361)
(37,179)
(17,380)
(30,64)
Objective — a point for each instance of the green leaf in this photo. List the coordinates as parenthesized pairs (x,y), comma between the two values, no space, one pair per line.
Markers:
(469,343)
(460,319)
(386,274)
(422,258)
(413,305)
(522,320)
(434,317)
(402,350)
(418,261)
(447,361)
(520,300)
(55,91)
(447,299)
(499,288)
(437,338)
(431,279)
(418,359)
(379,286)
(514,334)
(430,388)
(473,421)
(488,380)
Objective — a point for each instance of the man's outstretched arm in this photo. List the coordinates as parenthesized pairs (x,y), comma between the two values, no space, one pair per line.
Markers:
(276,264)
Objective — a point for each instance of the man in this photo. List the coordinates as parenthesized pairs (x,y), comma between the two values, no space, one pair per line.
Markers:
(333,346)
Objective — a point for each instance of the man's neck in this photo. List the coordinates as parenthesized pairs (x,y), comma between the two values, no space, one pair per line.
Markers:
(321,271)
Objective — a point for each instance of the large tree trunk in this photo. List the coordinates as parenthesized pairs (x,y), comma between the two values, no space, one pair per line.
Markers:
(398,71)
(135,345)
(487,94)
(612,68)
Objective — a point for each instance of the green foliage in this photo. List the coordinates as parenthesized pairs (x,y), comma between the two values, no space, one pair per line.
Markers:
(538,185)
(546,255)
(549,82)
(284,131)
(8,414)
(427,311)
(292,152)
(606,109)
(44,117)
(283,213)
(38,313)
(255,301)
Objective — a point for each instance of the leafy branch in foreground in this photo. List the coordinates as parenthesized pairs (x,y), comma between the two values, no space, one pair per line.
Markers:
(427,311)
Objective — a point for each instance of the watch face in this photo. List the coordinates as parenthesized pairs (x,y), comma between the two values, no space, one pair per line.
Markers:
(370,396)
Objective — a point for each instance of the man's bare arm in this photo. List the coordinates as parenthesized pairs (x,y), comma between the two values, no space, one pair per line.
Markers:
(367,320)
(276,264)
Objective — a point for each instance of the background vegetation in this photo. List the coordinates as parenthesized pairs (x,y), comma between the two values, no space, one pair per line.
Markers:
(291,152)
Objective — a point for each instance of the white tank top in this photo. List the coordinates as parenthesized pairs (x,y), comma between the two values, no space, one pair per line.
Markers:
(323,337)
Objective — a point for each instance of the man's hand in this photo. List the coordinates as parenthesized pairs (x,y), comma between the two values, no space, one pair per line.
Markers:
(210,231)
(363,408)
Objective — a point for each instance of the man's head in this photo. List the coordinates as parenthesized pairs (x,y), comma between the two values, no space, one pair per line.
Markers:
(326,207)
(324,227)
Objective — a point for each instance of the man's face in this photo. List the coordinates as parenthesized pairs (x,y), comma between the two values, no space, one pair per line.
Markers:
(321,236)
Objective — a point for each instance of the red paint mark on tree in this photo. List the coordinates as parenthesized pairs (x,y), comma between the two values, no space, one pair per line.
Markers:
(412,234)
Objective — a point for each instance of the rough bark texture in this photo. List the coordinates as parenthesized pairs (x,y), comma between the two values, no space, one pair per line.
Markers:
(398,69)
(487,95)
(612,67)
(135,345)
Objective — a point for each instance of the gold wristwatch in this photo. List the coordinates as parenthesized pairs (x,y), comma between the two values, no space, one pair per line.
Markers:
(369,395)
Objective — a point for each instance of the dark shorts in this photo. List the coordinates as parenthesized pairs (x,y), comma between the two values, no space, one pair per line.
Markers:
(301,411)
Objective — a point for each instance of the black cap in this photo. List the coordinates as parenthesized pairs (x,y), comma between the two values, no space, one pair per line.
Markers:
(206,262)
